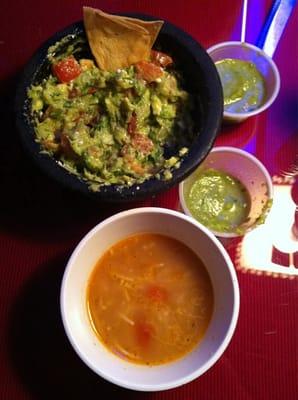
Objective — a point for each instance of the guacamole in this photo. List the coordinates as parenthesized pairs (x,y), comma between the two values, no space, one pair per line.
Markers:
(113,127)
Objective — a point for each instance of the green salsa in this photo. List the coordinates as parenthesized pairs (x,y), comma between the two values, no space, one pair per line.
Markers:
(112,127)
(243,85)
(218,200)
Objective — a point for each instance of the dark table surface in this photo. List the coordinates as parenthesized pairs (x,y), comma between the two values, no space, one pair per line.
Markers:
(40,224)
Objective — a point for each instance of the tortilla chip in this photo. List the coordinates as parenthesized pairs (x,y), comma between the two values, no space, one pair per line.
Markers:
(114,42)
(153,27)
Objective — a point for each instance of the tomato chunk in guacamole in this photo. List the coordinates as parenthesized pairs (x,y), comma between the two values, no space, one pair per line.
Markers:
(113,127)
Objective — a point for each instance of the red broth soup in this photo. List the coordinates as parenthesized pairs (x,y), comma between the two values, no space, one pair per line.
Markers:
(150,299)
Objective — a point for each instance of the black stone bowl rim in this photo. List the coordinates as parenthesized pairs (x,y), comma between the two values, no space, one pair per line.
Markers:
(118,193)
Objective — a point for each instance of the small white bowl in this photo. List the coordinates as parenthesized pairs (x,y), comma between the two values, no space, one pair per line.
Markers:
(74,310)
(265,65)
(248,170)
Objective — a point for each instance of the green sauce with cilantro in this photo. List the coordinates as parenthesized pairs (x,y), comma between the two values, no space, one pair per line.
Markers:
(243,85)
(218,200)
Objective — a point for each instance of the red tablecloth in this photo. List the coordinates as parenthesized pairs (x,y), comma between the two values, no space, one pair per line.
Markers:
(40,224)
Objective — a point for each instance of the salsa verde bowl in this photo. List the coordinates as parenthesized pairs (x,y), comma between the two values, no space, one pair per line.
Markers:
(245,170)
(242,51)
(75,313)
(200,79)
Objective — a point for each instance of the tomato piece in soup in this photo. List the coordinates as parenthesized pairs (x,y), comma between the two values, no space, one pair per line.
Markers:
(143,332)
(67,69)
(157,293)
